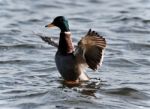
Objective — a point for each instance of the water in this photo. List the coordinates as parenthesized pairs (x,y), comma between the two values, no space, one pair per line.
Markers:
(28,75)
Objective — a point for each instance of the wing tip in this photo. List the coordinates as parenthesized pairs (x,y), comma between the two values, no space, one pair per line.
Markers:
(45,39)
(93,33)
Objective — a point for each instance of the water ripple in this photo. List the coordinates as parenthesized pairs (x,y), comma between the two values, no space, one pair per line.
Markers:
(128,92)
(28,75)
(120,62)
(20,46)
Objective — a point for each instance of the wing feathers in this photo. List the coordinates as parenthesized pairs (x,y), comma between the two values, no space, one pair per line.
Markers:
(49,41)
(93,56)
(93,46)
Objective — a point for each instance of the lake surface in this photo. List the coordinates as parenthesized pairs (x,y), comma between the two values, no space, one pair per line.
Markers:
(28,75)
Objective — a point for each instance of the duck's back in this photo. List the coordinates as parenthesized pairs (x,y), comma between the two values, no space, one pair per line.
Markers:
(66,66)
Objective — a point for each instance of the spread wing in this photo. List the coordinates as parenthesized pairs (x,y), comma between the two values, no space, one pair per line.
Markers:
(47,39)
(90,48)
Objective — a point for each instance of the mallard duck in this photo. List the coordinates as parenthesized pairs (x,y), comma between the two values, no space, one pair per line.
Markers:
(72,61)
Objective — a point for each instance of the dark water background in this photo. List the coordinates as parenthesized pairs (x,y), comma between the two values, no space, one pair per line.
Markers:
(28,75)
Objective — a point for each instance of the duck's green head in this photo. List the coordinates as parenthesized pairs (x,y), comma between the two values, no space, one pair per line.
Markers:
(60,22)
